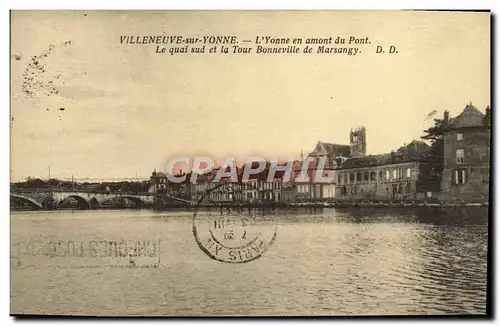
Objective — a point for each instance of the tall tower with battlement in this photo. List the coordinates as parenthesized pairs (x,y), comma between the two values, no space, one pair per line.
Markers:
(358,142)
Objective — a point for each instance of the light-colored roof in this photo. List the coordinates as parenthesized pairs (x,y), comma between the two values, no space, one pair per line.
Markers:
(331,150)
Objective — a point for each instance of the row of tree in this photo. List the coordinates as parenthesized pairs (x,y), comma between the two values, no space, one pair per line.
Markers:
(124,186)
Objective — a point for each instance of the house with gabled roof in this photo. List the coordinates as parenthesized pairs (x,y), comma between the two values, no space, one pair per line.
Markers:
(466,166)
(332,155)
(333,152)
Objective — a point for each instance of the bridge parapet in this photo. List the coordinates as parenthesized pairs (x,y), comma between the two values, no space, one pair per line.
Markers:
(39,196)
(59,190)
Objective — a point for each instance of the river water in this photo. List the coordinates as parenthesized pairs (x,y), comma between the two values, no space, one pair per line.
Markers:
(323,262)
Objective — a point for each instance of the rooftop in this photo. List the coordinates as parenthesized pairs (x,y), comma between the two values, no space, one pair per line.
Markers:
(159,174)
(470,117)
(416,150)
(331,150)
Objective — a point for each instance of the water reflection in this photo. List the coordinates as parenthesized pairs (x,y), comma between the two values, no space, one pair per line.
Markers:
(324,262)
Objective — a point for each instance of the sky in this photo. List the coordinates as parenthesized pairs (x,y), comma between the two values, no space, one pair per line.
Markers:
(95,108)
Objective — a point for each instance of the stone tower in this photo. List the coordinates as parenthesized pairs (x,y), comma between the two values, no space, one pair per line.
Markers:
(358,142)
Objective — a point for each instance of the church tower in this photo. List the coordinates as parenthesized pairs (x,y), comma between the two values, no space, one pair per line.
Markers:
(358,142)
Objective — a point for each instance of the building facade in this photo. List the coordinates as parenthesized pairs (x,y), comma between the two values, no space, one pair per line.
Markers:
(158,182)
(466,168)
(333,155)
(399,175)
(257,190)
(288,193)
(382,182)
(254,190)
(199,190)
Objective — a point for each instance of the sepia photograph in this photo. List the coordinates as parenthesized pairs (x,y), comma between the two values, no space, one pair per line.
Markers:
(251,163)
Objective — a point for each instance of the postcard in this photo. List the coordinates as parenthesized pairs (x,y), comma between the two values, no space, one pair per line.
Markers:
(250,163)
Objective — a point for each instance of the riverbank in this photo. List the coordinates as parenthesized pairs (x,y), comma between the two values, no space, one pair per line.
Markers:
(271,206)
(343,204)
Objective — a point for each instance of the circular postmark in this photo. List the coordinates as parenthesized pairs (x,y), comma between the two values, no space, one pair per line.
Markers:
(230,231)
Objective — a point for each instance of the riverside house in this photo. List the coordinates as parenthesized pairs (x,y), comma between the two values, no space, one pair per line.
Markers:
(399,175)
(466,172)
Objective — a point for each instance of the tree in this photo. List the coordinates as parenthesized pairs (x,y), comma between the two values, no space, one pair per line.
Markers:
(35,183)
(435,157)
(53,182)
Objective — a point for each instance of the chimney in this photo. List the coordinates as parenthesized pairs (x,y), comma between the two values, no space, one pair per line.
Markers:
(487,117)
(446,117)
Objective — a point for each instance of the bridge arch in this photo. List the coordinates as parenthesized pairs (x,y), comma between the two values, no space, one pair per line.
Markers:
(33,202)
(139,203)
(94,203)
(82,202)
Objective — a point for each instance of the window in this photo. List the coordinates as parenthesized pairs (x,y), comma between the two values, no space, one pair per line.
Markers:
(366,176)
(373,176)
(351,177)
(408,188)
(345,178)
(358,177)
(460,176)
(395,174)
(460,156)
(408,173)
(460,137)
(387,175)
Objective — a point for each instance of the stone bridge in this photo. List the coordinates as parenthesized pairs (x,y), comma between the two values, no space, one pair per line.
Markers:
(47,198)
